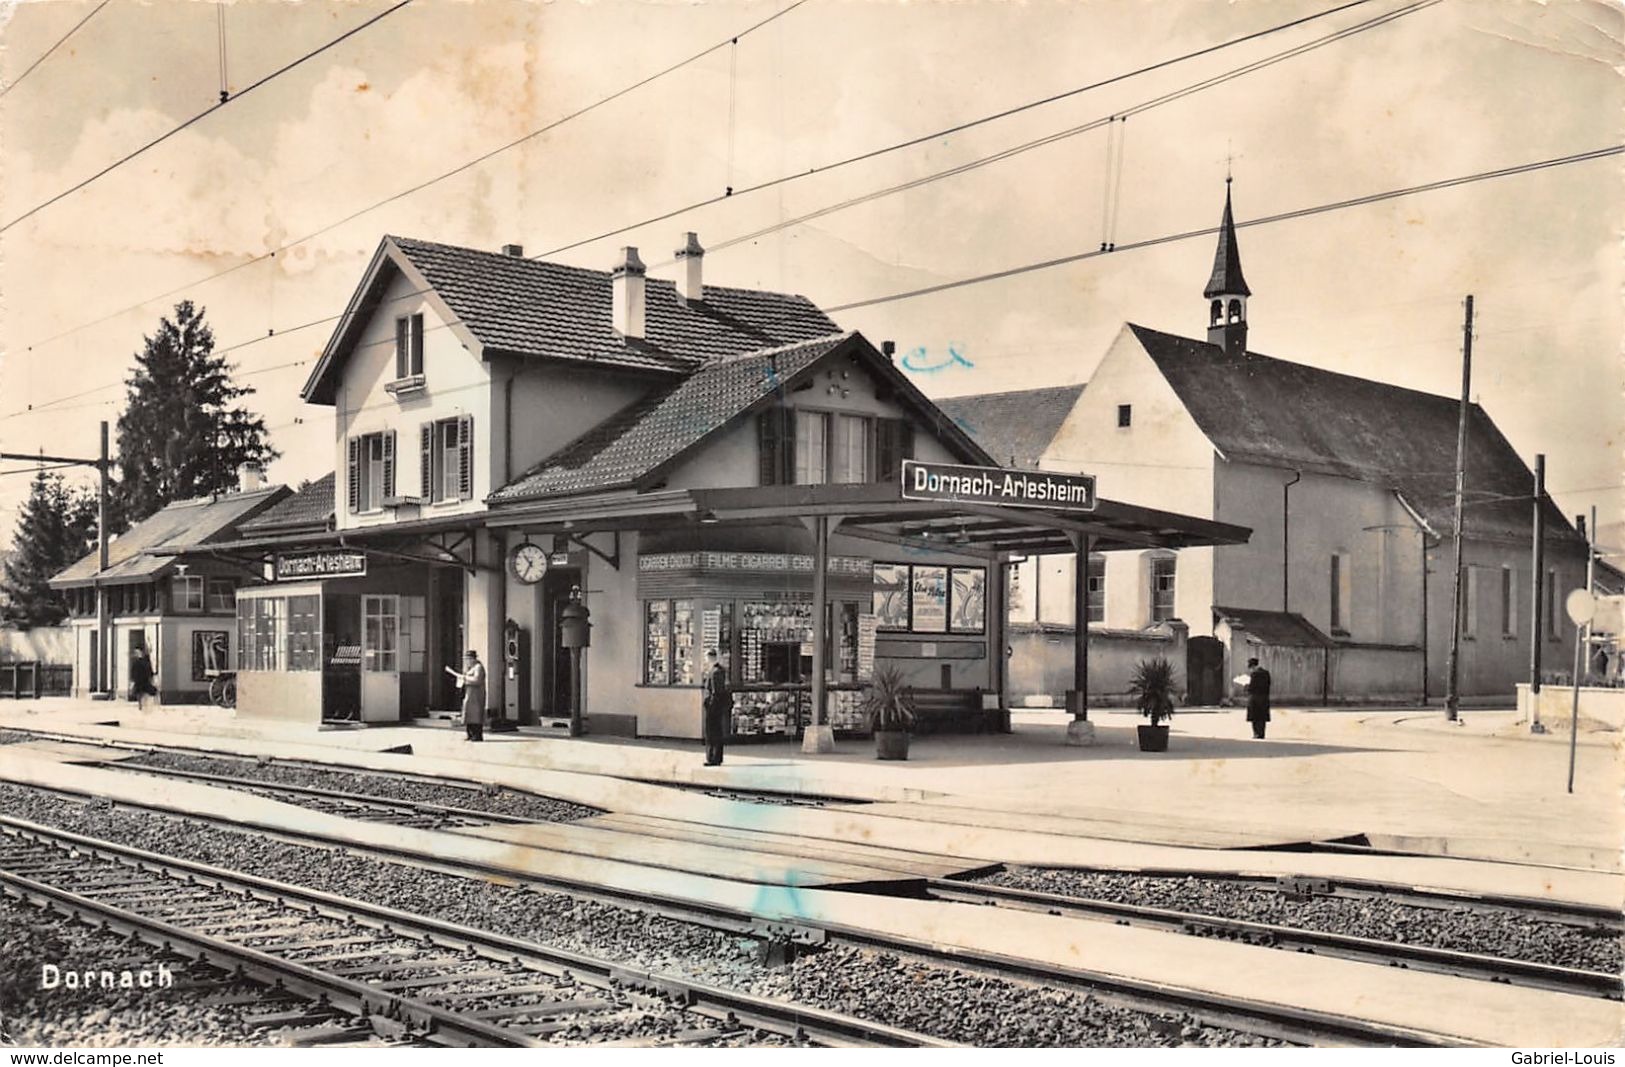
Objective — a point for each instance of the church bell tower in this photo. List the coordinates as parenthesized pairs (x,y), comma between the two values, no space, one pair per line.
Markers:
(1227,290)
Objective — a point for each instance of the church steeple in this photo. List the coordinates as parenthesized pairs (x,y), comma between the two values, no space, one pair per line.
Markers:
(1227,290)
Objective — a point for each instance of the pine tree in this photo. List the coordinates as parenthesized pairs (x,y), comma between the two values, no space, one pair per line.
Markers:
(57,527)
(181,434)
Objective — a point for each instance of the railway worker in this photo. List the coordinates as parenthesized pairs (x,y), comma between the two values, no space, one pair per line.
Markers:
(473,682)
(1258,697)
(718,705)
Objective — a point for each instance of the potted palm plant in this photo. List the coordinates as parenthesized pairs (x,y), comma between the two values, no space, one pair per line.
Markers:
(1152,684)
(890,712)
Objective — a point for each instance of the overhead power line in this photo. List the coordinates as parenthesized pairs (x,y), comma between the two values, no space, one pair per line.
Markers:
(47,53)
(783,179)
(200,116)
(1320,209)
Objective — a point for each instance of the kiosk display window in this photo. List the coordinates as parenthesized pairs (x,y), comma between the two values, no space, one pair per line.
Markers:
(657,643)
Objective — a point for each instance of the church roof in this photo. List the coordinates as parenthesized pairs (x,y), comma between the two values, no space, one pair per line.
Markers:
(1015,427)
(1227,279)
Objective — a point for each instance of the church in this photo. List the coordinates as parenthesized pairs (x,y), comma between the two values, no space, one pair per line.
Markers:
(1344,588)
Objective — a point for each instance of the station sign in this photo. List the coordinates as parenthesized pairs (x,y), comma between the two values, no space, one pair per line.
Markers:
(330,563)
(1003,487)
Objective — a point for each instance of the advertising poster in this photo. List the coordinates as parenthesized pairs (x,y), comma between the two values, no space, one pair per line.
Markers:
(210,651)
(969,601)
(930,600)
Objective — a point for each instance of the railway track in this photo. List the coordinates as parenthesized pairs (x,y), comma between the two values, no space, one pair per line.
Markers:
(409,978)
(1293,938)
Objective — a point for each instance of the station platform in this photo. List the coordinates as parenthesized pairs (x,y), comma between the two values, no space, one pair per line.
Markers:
(1025,798)
(1422,1005)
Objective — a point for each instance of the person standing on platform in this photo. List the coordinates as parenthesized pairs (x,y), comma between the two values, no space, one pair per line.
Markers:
(1258,697)
(141,686)
(718,705)
(472,681)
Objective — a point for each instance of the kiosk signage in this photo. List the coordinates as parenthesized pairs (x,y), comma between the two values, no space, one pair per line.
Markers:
(997,486)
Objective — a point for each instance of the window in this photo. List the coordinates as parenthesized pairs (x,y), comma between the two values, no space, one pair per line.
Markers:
(380,629)
(811,449)
(1097,589)
(222,596)
(304,633)
(409,346)
(849,451)
(1125,414)
(1216,313)
(657,643)
(262,634)
(1342,589)
(371,470)
(1162,588)
(1509,610)
(1469,602)
(447,456)
(894,442)
(185,594)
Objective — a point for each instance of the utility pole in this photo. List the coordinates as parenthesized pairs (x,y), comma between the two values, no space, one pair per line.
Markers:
(1591,580)
(1538,566)
(104,657)
(1452,696)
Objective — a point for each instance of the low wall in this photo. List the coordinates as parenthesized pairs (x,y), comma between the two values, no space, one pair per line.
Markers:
(44,644)
(1602,708)
(1375,674)
(1041,662)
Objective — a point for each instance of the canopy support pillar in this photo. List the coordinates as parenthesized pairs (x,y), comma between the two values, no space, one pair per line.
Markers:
(1080,731)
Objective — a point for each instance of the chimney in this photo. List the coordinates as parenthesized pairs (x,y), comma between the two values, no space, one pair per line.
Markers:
(516,251)
(250,478)
(1580,524)
(889,349)
(690,284)
(626,288)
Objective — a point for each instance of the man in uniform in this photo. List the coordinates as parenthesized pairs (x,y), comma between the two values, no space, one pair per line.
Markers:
(1258,697)
(718,704)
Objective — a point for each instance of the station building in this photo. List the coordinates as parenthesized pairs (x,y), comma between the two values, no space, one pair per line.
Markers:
(697,466)
(180,605)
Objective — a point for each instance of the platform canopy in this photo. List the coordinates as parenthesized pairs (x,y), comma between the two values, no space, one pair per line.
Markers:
(876,511)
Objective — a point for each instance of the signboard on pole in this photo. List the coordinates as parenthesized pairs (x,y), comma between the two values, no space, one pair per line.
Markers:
(1003,487)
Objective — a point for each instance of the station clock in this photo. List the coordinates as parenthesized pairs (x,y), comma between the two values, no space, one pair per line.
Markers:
(528,561)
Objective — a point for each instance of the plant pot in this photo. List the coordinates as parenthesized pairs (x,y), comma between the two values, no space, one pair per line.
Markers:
(891,744)
(1153,738)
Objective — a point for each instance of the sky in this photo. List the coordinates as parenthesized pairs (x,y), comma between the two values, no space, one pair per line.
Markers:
(318,163)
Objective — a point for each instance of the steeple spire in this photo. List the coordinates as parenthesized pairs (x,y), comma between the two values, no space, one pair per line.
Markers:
(1227,290)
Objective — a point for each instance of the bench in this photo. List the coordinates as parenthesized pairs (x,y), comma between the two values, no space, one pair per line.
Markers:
(952,711)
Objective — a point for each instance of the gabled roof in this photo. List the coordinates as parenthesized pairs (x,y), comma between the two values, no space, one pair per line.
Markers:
(185,522)
(1226,279)
(632,447)
(1275,627)
(1255,409)
(1015,427)
(309,508)
(509,305)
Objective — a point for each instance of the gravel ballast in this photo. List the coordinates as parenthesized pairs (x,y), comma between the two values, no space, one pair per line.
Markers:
(1508,936)
(942,1001)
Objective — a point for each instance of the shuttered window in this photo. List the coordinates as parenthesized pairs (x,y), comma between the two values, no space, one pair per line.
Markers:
(446,447)
(371,470)
(812,448)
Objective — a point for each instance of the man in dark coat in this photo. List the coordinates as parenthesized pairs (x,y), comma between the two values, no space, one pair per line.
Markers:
(1258,697)
(141,686)
(718,704)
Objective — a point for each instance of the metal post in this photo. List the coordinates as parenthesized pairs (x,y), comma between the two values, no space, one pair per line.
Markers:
(1591,577)
(818,736)
(1537,586)
(576,692)
(1574,711)
(105,667)
(1452,696)
(1080,630)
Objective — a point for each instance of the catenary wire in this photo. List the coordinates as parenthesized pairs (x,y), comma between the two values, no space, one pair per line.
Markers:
(46,54)
(871,154)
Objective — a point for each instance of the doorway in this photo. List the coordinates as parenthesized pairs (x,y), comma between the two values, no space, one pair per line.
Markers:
(1204,671)
(554,659)
(449,643)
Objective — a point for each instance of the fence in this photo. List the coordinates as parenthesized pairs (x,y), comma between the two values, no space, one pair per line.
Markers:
(36,663)
(30,681)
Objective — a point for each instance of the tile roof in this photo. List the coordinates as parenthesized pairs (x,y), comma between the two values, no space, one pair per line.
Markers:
(1276,627)
(1256,409)
(311,506)
(185,522)
(530,308)
(651,432)
(1015,427)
